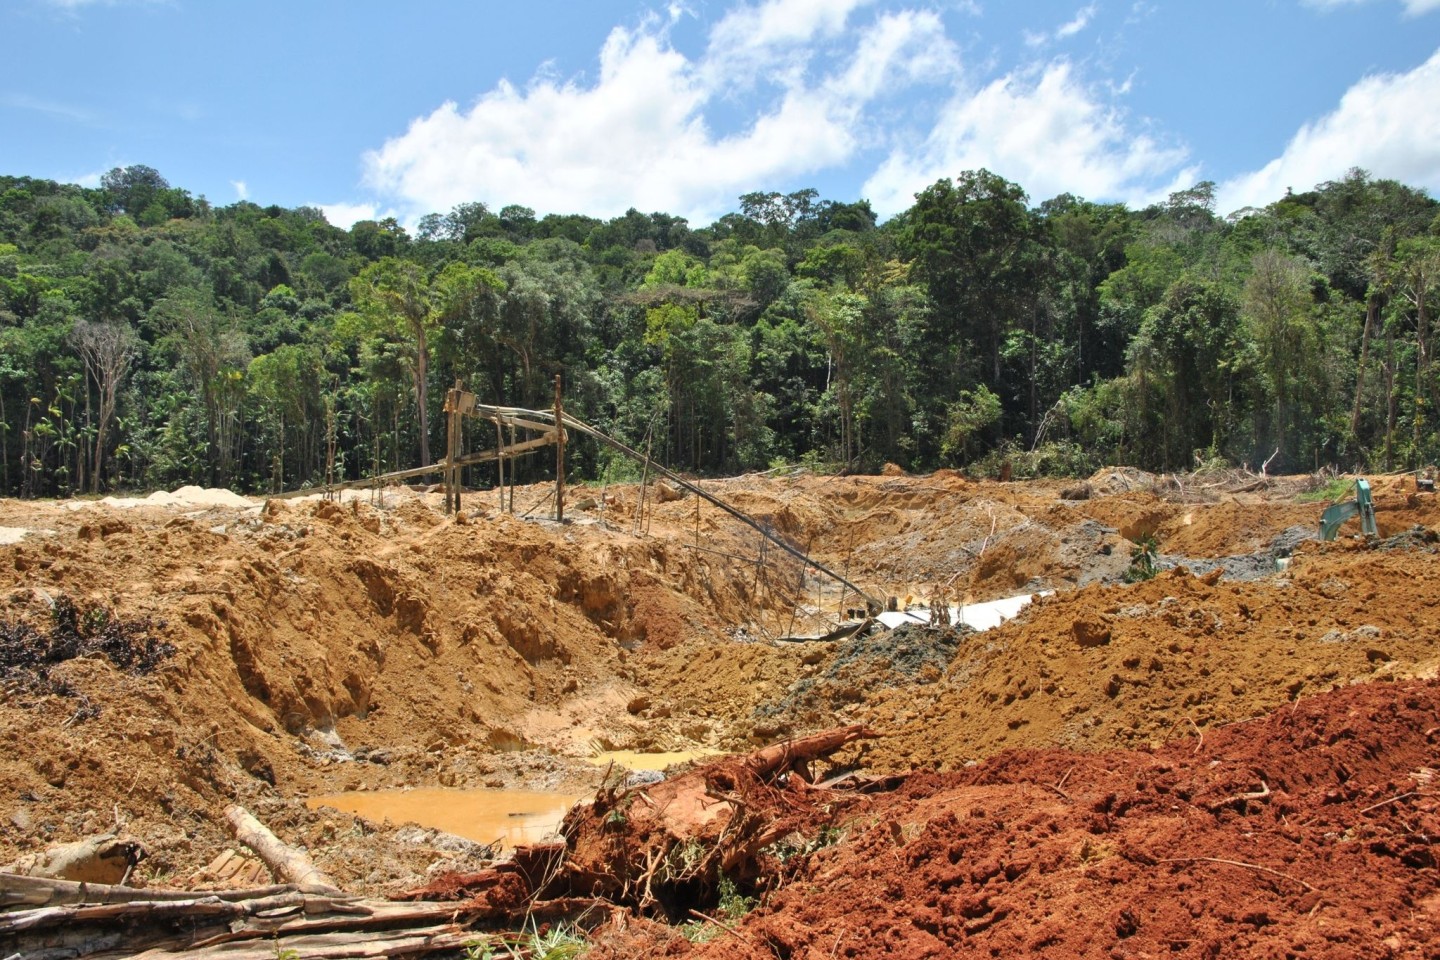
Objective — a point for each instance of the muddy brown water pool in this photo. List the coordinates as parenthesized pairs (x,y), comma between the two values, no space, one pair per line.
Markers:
(509,816)
(637,761)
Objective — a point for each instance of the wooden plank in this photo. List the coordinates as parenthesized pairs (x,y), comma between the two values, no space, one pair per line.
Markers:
(381,480)
(485,456)
(523,424)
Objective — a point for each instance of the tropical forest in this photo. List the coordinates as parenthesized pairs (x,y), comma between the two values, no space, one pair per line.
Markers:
(149,338)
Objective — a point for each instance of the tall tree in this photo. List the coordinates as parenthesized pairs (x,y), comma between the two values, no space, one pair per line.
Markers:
(972,242)
(1417,275)
(213,356)
(1276,306)
(397,297)
(840,318)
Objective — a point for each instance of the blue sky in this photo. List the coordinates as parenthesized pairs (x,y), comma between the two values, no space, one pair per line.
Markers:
(369,108)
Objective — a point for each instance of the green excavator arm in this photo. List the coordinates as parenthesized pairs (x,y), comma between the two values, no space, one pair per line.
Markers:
(1363,506)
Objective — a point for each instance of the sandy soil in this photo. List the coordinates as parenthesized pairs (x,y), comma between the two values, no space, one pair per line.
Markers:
(321,647)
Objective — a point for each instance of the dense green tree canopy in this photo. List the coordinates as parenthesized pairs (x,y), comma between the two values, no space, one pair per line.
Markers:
(148,338)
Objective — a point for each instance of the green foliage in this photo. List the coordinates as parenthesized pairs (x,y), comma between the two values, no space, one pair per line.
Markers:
(976,410)
(1333,490)
(730,903)
(1142,560)
(561,941)
(797,846)
(972,328)
(730,907)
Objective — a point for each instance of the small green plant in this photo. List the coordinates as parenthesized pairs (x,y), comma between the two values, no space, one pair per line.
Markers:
(475,950)
(1336,488)
(560,942)
(732,903)
(685,860)
(700,931)
(1142,561)
(730,906)
(286,953)
(797,845)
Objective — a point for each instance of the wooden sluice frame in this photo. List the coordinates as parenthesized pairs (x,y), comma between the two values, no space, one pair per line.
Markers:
(460,403)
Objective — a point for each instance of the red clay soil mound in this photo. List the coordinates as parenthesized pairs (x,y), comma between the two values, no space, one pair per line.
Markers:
(1309,833)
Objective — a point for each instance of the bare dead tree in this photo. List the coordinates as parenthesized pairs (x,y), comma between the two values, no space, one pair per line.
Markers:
(107,350)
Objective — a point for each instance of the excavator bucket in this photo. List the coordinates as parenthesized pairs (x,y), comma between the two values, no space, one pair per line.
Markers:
(1363,506)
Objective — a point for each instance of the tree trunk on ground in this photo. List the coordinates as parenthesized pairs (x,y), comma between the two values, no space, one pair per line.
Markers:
(288,864)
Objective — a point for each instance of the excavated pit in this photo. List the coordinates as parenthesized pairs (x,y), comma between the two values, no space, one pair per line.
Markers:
(321,648)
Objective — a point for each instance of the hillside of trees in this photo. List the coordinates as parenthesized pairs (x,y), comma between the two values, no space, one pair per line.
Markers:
(149,338)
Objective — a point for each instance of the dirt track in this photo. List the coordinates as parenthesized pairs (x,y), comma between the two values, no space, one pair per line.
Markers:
(324,647)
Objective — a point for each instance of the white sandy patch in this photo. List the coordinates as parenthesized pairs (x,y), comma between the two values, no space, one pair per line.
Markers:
(188,497)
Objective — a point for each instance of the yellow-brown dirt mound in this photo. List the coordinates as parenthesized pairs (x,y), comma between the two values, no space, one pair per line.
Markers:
(322,647)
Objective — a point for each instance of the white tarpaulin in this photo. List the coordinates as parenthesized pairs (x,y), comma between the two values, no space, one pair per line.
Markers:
(977,616)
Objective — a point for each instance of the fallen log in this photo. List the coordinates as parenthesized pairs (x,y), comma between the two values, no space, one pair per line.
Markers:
(22,891)
(790,754)
(287,863)
(442,938)
(224,924)
(662,848)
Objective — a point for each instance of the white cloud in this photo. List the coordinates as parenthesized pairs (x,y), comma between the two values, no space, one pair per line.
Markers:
(1413,8)
(346,215)
(1043,129)
(639,134)
(1080,22)
(71,6)
(242,191)
(749,35)
(54,108)
(1065,31)
(1385,123)
(900,49)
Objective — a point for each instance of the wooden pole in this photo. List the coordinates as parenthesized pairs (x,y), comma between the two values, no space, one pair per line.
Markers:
(329,444)
(288,864)
(452,406)
(500,459)
(639,526)
(559,455)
